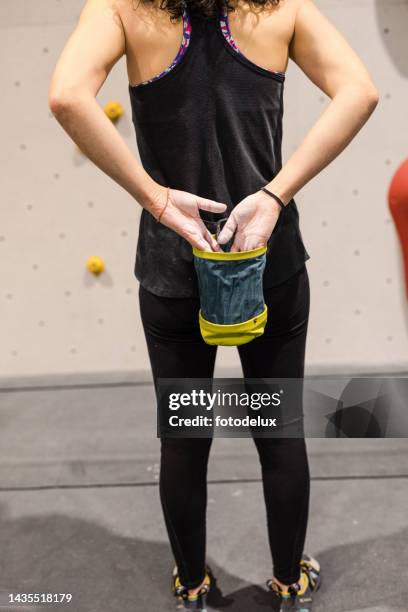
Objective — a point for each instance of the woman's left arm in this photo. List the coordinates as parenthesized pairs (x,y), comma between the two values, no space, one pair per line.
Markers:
(324,55)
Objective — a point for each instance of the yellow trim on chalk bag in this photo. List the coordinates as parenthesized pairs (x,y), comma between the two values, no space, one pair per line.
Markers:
(227,255)
(235,334)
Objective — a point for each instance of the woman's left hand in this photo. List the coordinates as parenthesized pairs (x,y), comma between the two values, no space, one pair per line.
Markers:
(252,220)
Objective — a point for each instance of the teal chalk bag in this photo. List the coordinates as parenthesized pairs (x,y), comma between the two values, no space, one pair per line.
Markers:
(232,306)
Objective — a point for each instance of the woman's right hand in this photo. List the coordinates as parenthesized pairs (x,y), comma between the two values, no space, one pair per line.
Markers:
(182,214)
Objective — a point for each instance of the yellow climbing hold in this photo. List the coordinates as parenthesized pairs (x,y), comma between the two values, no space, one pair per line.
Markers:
(114,110)
(95,264)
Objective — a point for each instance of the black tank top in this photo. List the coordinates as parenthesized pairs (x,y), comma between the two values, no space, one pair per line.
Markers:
(212,126)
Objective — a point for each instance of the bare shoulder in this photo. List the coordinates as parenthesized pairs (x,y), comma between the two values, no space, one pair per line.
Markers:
(287,10)
(147,29)
(280,18)
(135,13)
(103,12)
(93,7)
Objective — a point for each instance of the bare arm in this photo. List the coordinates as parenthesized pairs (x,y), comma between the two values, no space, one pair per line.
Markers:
(90,53)
(330,63)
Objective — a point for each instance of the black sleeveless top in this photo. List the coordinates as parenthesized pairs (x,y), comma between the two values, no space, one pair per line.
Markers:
(212,126)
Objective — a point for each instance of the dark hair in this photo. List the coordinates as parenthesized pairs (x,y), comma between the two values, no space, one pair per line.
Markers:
(205,8)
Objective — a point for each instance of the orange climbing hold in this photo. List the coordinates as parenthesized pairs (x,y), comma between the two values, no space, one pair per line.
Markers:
(398,205)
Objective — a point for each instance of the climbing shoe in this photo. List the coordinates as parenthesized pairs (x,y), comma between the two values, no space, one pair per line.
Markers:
(298,596)
(185,601)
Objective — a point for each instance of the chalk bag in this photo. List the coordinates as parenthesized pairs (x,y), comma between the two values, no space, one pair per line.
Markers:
(233,310)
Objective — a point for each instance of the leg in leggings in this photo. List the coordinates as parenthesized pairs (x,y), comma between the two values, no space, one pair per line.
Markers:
(280,352)
(176,350)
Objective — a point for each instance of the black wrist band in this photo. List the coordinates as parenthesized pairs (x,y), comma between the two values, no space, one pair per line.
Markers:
(274,196)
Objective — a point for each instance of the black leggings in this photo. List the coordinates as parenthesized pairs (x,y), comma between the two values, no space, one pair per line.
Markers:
(176,350)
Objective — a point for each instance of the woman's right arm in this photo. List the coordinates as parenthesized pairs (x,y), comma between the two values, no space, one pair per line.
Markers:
(93,48)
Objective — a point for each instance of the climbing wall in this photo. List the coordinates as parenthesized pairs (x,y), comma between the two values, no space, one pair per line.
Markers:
(58,209)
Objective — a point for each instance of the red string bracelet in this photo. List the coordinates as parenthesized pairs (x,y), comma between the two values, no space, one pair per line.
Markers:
(165,206)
